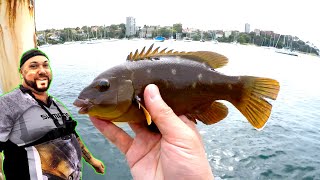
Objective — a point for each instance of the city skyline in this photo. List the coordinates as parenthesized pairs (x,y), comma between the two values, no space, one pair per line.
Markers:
(296,18)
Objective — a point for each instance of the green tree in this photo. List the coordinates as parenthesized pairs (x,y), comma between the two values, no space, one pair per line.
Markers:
(122,30)
(165,32)
(177,28)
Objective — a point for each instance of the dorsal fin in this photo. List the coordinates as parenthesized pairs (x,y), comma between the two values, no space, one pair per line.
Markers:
(135,55)
(141,53)
(212,59)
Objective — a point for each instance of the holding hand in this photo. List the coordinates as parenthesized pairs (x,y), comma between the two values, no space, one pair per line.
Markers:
(176,153)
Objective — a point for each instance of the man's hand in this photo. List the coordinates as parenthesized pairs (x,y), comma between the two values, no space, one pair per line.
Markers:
(176,153)
(97,165)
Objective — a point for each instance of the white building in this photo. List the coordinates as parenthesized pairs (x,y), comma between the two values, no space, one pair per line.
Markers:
(147,32)
(257,32)
(130,26)
(247,28)
(227,34)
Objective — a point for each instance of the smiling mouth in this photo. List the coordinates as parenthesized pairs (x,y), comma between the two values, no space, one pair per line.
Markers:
(43,80)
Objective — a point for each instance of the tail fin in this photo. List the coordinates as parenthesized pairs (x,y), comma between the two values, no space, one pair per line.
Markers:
(252,103)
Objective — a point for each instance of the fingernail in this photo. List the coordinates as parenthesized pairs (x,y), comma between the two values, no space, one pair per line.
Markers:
(154,93)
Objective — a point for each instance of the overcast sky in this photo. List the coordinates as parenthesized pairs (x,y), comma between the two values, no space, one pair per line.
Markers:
(295,17)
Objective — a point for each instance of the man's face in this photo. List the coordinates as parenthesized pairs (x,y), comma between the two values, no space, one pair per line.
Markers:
(36,73)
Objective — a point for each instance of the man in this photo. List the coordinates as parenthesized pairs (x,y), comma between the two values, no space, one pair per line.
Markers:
(37,134)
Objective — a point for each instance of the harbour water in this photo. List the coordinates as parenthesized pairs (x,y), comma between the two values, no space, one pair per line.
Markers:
(287,148)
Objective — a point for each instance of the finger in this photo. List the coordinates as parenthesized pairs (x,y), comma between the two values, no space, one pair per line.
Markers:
(192,125)
(113,133)
(101,169)
(188,122)
(137,127)
(162,115)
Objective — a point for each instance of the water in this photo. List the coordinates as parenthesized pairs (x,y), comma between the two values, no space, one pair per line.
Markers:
(287,148)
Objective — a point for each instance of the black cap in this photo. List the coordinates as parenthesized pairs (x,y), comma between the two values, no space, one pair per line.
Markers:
(29,54)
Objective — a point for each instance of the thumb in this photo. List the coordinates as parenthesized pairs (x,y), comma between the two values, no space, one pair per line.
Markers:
(161,114)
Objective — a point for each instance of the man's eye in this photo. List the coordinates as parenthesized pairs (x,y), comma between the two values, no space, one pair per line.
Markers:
(32,66)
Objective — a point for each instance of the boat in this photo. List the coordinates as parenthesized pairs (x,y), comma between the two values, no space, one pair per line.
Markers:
(201,38)
(235,42)
(135,39)
(159,39)
(215,41)
(286,51)
(187,39)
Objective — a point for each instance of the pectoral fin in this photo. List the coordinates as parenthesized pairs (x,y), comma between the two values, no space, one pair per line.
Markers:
(146,113)
(215,113)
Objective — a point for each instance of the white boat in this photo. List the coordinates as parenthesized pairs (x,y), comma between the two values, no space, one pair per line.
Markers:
(286,51)
(215,41)
(187,39)
(44,45)
(201,38)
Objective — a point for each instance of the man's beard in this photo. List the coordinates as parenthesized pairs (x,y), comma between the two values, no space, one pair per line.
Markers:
(33,85)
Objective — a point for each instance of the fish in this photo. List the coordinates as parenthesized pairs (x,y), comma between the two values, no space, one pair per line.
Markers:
(17,34)
(188,82)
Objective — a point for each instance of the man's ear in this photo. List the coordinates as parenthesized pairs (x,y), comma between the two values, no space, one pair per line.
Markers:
(20,73)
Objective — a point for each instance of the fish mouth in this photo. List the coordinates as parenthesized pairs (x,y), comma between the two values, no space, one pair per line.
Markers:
(84,104)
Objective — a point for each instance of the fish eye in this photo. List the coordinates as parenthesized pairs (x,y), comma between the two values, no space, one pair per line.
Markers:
(103,85)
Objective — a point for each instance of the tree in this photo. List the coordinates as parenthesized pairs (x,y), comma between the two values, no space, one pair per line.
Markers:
(177,28)
(122,30)
(165,32)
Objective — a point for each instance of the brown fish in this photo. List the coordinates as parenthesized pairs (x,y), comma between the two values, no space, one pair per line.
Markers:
(188,83)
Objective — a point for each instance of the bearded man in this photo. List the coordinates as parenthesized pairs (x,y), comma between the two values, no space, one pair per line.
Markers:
(37,133)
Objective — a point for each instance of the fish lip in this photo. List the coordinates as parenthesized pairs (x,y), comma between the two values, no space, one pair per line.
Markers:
(84,104)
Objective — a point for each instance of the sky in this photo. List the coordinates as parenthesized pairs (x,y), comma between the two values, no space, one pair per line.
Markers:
(295,17)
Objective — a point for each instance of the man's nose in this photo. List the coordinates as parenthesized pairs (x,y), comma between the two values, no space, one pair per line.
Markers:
(42,70)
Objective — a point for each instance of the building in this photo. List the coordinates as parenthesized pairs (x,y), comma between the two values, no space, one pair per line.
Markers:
(147,32)
(247,28)
(130,26)
(227,34)
(219,34)
(257,32)
(268,33)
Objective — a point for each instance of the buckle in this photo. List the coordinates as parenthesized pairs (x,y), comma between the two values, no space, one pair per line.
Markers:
(66,137)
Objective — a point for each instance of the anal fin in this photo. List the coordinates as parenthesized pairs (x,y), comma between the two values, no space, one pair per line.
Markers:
(213,114)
